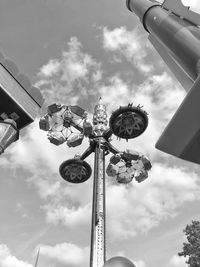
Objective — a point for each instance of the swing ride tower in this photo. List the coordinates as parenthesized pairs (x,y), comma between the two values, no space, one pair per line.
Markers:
(126,122)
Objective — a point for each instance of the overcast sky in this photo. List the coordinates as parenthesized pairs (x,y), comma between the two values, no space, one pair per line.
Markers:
(76,51)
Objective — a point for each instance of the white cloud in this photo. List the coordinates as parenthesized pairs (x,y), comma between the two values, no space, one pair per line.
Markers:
(65,254)
(177,261)
(130,44)
(194,4)
(73,64)
(8,260)
(69,216)
(50,69)
(139,263)
(46,185)
(114,93)
(155,200)
(71,76)
(4,161)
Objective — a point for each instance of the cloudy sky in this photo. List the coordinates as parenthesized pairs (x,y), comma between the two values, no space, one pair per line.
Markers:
(77,51)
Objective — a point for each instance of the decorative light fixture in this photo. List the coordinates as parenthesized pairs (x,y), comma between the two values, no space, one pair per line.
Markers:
(8,133)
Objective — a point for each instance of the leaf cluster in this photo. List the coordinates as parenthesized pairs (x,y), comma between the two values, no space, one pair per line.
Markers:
(191,249)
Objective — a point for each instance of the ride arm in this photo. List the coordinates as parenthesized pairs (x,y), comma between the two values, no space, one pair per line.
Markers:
(88,151)
(112,149)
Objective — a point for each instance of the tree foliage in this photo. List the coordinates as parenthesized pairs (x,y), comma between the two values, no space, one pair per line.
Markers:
(191,249)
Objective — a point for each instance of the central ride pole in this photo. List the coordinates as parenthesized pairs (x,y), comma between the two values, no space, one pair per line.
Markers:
(98,246)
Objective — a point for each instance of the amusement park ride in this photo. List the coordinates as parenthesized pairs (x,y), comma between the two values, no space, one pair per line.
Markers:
(174,31)
(127,122)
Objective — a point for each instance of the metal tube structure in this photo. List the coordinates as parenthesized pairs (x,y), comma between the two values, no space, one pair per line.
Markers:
(179,37)
(98,248)
(174,31)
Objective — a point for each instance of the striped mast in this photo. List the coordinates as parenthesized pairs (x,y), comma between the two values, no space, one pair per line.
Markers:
(98,248)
